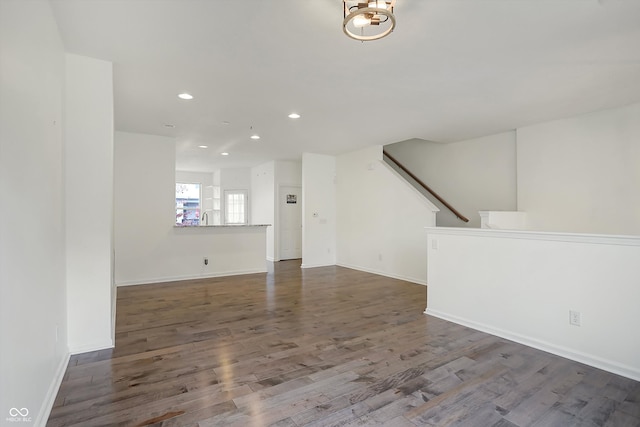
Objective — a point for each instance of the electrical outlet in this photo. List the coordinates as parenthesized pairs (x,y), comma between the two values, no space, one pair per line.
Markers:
(434,244)
(574,318)
(205,261)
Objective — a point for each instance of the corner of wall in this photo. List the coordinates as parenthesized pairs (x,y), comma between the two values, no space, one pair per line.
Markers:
(319,222)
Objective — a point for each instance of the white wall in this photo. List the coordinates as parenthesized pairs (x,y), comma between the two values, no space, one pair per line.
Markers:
(203,178)
(263,202)
(473,175)
(89,202)
(33,320)
(148,248)
(235,179)
(522,285)
(380,218)
(318,210)
(582,174)
(288,172)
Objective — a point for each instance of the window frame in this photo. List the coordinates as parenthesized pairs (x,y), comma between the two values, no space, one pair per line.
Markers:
(245,194)
(197,209)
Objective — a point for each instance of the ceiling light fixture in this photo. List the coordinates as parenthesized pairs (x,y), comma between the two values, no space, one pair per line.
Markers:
(294,116)
(169,125)
(203,146)
(255,135)
(368,20)
(185,96)
(224,154)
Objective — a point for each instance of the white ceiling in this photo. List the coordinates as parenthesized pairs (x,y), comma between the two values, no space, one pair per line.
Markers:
(452,70)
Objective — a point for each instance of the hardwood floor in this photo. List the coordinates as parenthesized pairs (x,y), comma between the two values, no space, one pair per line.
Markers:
(322,347)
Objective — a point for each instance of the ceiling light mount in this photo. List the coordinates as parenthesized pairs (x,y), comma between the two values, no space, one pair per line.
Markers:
(370,20)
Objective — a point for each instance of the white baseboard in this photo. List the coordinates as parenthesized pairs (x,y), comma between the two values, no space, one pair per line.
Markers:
(52,392)
(315,265)
(189,277)
(558,350)
(383,273)
(95,346)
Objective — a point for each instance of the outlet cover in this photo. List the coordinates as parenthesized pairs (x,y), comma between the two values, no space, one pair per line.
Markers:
(574,318)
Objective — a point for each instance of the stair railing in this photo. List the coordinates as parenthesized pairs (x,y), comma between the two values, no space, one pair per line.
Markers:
(425,186)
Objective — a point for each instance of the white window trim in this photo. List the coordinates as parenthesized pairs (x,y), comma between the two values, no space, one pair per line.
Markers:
(246,206)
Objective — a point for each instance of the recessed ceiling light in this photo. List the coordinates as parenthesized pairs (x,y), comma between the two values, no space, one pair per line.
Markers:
(226,122)
(185,96)
(255,136)
(203,146)
(169,125)
(224,154)
(294,116)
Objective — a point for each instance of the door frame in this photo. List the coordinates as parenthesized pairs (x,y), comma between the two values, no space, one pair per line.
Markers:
(278,218)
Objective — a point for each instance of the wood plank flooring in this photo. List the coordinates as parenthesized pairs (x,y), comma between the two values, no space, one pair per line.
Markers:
(326,346)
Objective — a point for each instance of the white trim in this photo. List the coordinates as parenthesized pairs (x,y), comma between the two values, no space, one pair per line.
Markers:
(602,239)
(607,365)
(315,265)
(52,393)
(225,213)
(85,348)
(272,259)
(383,273)
(189,277)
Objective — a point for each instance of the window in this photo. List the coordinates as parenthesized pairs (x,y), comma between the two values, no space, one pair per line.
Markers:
(187,204)
(235,207)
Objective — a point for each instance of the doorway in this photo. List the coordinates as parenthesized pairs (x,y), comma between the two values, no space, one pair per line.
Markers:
(290,222)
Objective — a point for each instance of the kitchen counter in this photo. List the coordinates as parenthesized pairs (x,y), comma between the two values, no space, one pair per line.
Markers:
(223,226)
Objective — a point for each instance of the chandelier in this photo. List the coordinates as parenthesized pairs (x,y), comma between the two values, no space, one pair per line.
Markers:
(368,20)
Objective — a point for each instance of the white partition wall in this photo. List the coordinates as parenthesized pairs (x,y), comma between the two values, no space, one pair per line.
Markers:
(263,200)
(89,202)
(318,210)
(524,285)
(380,218)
